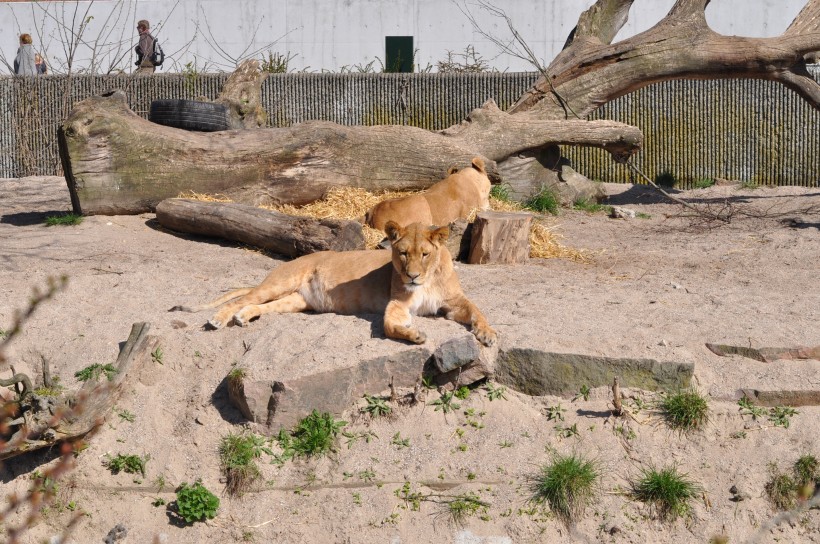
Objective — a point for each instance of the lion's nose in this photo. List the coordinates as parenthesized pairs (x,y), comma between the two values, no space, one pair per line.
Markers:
(412,275)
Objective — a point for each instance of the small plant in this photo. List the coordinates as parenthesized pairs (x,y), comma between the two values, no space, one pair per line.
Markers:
(125,415)
(643,215)
(780,416)
(495,393)
(785,489)
(568,485)
(544,201)
(583,393)
(666,179)
(352,438)
(668,492)
(53,390)
(237,455)
(132,464)
(751,185)
(376,406)
(400,442)
(315,434)
(93,372)
(555,413)
(781,489)
(66,219)
(196,503)
(806,470)
(465,505)
(567,432)
(685,411)
(463,392)
(445,403)
(501,192)
(276,63)
(236,375)
(747,408)
(505,444)
(589,206)
(704,183)
(156,355)
(159,501)
(412,499)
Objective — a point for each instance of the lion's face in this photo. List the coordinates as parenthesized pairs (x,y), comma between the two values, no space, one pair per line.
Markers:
(416,250)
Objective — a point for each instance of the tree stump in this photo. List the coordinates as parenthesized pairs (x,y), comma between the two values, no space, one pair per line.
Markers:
(500,238)
(284,234)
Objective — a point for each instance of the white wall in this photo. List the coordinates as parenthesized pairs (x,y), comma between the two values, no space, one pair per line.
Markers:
(333,34)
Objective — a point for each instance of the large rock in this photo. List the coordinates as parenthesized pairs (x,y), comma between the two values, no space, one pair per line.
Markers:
(537,372)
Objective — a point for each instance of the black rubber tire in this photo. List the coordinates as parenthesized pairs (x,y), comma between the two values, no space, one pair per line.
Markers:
(190,115)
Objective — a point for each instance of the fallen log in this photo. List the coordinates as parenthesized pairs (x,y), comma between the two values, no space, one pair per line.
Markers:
(281,233)
(116,162)
(500,238)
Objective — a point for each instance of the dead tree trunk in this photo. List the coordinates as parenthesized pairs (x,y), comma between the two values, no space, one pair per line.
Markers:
(118,163)
(278,232)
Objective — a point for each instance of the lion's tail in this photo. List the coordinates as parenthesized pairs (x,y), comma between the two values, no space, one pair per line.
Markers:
(218,302)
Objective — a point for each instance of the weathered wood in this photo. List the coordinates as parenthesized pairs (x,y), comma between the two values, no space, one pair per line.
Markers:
(500,238)
(592,70)
(118,163)
(79,413)
(284,234)
(242,93)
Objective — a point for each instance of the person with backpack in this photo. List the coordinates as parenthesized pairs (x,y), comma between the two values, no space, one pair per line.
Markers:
(149,53)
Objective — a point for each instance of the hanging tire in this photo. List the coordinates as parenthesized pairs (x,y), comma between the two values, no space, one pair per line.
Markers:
(190,115)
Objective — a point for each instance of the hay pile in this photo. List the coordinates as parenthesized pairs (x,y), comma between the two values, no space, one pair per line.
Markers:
(352,203)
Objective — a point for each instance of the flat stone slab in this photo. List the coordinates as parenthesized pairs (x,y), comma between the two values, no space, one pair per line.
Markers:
(536,372)
(782,397)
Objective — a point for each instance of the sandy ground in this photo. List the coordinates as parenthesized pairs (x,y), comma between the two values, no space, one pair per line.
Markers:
(658,287)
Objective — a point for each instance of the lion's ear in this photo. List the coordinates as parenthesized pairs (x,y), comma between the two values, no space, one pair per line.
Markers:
(452,170)
(393,230)
(478,164)
(439,234)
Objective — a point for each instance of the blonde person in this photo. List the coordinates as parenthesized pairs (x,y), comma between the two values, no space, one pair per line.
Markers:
(144,49)
(24,61)
(40,63)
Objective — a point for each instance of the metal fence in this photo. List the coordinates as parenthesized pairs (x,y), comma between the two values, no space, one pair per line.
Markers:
(750,130)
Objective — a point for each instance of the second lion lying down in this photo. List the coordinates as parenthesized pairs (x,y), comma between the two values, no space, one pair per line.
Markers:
(414,277)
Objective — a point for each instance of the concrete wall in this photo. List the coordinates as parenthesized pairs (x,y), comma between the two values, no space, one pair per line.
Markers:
(333,35)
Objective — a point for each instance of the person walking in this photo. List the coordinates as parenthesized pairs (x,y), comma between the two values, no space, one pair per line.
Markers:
(144,49)
(24,61)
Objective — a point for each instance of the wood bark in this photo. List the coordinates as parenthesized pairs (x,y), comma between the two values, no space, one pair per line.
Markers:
(281,233)
(500,238)
(86,409)
(591,70)
(118,163)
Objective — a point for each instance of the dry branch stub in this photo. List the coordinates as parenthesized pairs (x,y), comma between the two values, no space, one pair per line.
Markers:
(500,238)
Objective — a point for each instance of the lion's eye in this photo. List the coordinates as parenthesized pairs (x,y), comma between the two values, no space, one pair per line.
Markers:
(424,254)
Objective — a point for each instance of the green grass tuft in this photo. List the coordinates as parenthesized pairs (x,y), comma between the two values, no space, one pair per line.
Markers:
(704,183)
(237,455)
(685,411)
(314,435)
(132,464)
(589,206)
(668,492)
(544,201)
(66,219)
(501,192)
(94,371)
(568,485)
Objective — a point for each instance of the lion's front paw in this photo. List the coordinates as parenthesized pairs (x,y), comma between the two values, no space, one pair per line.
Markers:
(238,319)
(486,335)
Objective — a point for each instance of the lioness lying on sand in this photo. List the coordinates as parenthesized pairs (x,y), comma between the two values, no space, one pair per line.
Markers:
(451,198)
(415,276)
